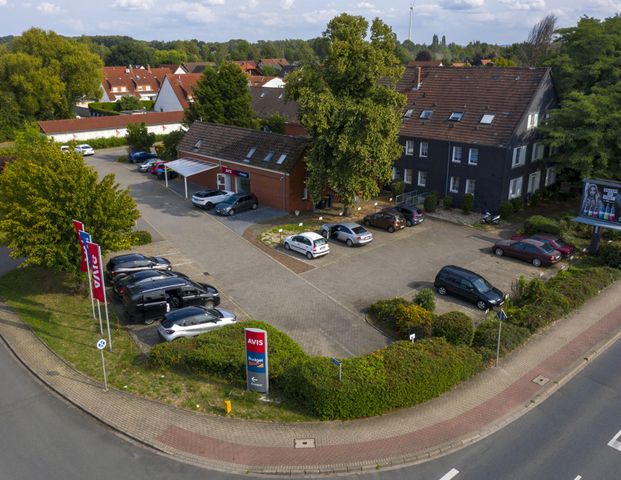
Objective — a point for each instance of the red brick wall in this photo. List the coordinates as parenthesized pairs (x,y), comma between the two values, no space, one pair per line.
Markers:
(296,184)
(295,130)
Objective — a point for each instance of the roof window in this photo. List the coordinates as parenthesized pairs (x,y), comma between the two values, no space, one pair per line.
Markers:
(408,113)
(456,116)
(281,159)
(487,119)
(268,157)
(262,94)
(426,114)
(197,146)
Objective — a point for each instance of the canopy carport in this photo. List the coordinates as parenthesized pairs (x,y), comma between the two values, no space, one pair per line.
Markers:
(186,168)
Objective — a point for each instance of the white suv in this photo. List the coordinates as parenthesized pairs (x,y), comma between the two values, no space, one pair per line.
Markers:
(310,244)
(210,198)
(85,149)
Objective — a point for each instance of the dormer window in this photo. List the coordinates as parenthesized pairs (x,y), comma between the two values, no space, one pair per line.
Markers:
(408,113)
(426,114)
(533,120)
(487,119)
(268,157)
(456,116)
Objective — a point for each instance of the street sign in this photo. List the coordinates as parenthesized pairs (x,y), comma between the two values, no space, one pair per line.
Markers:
(336,362)
(257,373)
(501,315)
(101,344)
(412,337)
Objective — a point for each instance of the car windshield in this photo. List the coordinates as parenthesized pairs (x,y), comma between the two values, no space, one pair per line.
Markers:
(482,285)
(359,230)
(230,200)
(547,248)
(202,194)
(561,243)
(320,241)
(213,313)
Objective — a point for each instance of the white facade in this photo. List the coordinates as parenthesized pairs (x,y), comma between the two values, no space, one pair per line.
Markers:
(275,82)
(113,132)
(167,100)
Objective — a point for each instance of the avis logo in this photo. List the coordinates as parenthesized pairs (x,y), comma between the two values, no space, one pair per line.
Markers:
(96,271)
(255,341)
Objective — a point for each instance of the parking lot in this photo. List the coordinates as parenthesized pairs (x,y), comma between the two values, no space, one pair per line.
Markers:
(322,308)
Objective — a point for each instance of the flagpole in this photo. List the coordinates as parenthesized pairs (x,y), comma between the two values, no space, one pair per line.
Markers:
(99,312)
(103,283)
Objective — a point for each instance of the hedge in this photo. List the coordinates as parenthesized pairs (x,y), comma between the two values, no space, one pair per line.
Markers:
(221,352)
(456,327)
(506,210)
(485,339)
(467,203)
(415,319)
(400,375)
(448,202)
(541,224)
(385,311)
(431,202)
(426,299)
(611,255)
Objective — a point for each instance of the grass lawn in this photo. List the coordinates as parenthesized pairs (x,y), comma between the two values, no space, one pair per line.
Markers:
(60,314)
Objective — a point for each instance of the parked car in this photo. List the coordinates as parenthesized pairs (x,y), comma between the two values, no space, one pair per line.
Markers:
(120,282)
(566,249)
(348,232)
(236,203)
(468,285)
(192,321)
(159,172)
(135,262)
(413,216)
(533,251)
(154,166)
(391,220)
(146,166)
(65,148)
(210,197)
(85,149)
(140,157)
(150,301)
(310,244)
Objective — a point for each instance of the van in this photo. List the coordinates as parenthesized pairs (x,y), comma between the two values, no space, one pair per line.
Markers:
(146,302)
(468,285)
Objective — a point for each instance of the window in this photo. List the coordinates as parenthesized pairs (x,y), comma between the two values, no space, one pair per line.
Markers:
(534,180)
(470,185)
(454,187)
(197,146)
(407,175)
(305,194)
(395,173)
(550,176)
(422,179)
(457,153)
(519,156)
(537,152)
(533,120)
(426,114)
(251,152)
(409,147)
(424,149)
(456,116)
(281,159)
(473,156)
(515,188)
(408,113)
(268,157)
(487,119)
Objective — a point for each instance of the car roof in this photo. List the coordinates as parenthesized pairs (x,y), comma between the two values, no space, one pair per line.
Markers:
(310,235)
(392,211)
(159,283)
(532,241)
(185,312)
(351,225)
(464,272)
(128,257)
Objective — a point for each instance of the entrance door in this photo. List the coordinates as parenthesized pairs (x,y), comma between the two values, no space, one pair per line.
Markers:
(243,185)
(224,181)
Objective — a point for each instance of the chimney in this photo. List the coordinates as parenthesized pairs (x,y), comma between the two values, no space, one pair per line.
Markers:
(418,70)
(148,68)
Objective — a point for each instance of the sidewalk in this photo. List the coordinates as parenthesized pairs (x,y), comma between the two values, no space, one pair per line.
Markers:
(472,411)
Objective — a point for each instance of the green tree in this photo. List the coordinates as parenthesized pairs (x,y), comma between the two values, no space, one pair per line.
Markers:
(352,117)
(138,137)
(43,189)
(174,57)
(222,96)
(129,102)
(275,123)
(11,118)
(170,144)
(131,52)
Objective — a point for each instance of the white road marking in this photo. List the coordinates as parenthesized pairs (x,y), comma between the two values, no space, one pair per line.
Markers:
(579,477)
(615,442)
(450,474)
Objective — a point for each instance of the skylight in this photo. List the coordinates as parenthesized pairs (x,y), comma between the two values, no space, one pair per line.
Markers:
(456,116)
(251,152)
(268,157)
(281,159)
(408,113)
(426,114)
(487,119)
(197,146)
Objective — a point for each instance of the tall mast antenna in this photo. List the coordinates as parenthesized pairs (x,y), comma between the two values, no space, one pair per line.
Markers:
(410,26)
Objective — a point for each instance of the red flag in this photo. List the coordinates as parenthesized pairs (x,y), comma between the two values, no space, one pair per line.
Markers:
(94,255)
(79,227)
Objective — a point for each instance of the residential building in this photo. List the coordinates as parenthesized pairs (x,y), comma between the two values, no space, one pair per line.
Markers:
(176,92)
(474,130)
(268,101)
(143,83)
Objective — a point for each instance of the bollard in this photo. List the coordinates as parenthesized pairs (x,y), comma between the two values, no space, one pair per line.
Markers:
(227,406)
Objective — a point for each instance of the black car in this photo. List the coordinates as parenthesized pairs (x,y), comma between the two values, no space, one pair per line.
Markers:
(121,282)
(237,203)
(140,157)
(135,262)
(149,301)
(468,285)
(413,216)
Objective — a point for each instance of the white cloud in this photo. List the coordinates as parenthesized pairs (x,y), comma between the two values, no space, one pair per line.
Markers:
(604,6)
(253,3)
(366,5)
(320,16)
(286,4)
(462,4)
(192,12)
(525,4)
(48,8)
(133,4)
(213,2)
(2,3)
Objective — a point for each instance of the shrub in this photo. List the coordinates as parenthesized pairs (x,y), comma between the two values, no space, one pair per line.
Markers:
(517,204)
(541,224)
(426,299)
(467,203)
(536,198)
(397,187)
(400,375)
(611,255)
(138,137)
(448,202)
(141,237)
(577,285)
(456,327)
(98,143)
(486,337)
(413,319)
(506,210)
(431,202)
(385,311)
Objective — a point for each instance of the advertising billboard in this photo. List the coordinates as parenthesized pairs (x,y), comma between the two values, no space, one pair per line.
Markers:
(600,204)
(257,378)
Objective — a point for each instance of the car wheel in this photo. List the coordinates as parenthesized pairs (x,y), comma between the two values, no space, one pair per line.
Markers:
(442,290)
(148,321)
(287,246)
(210,304)
(231,212)
(349,243)
(536,262)
(309,255)
(255,205)
(481,305)
(324,233)
(499,252)
(208,205)
(391,229)
(408,223)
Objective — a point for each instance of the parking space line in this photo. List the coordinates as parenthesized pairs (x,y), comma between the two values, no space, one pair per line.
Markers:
(615,443)
(450,474)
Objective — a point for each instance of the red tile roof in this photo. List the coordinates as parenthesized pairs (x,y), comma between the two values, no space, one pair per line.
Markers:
(183,86)
(50,127)
(505,92)
(130,79)
(258,80)
(275,61)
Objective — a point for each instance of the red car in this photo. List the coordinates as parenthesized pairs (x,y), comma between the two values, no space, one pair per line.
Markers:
(529,250)
(153,168)
(566,249)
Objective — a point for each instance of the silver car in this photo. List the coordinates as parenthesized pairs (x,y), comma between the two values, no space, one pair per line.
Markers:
(349,232)
(192,321)
(85,149)
(144,166)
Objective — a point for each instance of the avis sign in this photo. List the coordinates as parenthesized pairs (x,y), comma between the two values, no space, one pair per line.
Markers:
(257,377)
(94,258)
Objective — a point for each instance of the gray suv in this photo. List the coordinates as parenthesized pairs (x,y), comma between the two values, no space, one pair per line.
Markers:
(237,203)
(349,232)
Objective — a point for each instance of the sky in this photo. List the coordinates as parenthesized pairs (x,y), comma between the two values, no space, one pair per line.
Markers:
(493,21)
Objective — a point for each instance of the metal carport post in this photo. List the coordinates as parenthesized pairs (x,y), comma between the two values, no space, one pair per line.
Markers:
(186,168)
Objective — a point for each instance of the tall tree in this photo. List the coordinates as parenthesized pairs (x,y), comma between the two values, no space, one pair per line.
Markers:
(130,52)
(351,109)
(533,52)
(43,189)
(222,96)
(138,137)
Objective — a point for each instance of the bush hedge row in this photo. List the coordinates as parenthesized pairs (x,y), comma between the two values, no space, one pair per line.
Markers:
(456,327)
(485,339)
(541,224)
(611,255)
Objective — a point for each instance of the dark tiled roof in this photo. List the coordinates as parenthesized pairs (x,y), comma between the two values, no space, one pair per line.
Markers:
(197,67)
(50,127)
(267,101)
(425,63)
(505,92)
(231,143)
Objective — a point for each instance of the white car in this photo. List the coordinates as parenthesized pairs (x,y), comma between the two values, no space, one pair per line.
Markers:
(192,321)
(209,198)
(310,244)
(64,148)
(85,149)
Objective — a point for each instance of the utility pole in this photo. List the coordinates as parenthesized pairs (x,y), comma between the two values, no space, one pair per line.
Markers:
(410,26)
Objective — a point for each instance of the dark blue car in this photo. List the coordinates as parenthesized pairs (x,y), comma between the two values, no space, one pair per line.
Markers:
(139,157)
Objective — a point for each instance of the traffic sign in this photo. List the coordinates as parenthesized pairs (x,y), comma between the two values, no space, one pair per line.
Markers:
(501,315)
(101,344)
(336,362)
(412,337)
